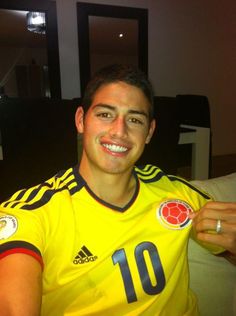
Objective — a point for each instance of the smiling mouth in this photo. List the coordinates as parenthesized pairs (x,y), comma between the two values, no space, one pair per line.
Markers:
(115,148)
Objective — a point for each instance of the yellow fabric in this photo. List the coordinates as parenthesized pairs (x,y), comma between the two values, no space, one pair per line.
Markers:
(101,260)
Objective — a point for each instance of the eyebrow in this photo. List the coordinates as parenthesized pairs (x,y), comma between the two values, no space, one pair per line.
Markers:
(113,108)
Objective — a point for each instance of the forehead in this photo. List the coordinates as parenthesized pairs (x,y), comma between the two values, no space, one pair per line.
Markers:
(121,94)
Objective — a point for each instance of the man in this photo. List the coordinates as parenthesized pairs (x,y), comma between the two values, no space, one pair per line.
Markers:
(105,237)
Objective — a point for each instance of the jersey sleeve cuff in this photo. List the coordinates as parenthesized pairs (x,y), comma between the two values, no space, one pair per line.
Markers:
(24,247)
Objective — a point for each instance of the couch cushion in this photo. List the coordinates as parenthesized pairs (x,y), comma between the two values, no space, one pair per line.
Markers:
(212,278)
(221,188)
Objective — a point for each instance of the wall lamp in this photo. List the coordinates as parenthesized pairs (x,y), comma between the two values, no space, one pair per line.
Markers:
(36,22)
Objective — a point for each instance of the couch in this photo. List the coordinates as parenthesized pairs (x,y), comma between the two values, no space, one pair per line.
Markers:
(212,278)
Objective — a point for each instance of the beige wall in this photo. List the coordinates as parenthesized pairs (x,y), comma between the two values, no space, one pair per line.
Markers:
(192,49)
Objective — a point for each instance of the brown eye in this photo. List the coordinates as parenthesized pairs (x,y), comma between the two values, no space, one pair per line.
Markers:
(103,115)
(135,120)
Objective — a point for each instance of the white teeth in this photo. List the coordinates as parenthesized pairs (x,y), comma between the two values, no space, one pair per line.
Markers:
(115,148)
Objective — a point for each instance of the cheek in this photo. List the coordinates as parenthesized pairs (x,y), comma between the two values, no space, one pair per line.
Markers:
(143,136)
(92,130)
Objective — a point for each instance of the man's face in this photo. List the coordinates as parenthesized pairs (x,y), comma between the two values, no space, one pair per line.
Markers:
(115,128)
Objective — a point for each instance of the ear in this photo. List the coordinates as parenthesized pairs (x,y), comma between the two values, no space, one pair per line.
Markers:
(151,131)
(79,119)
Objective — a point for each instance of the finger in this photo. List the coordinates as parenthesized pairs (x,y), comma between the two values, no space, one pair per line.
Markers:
(206,225)
(228,242)
(220,205)
(211,225)
(226,214)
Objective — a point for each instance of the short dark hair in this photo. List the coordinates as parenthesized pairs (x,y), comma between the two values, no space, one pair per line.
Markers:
(115,73)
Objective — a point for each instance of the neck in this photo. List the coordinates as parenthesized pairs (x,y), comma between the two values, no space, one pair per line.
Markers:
(114,188)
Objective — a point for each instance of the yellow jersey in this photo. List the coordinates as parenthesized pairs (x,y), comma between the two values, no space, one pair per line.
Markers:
(99,259)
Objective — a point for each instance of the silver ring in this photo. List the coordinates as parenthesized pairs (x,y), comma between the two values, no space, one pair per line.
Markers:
(218,226)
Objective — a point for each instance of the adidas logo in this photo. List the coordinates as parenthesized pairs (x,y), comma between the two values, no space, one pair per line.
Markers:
(84,256)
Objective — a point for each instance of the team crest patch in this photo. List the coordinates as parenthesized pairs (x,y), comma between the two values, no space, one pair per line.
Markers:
(8,226)
(173,214)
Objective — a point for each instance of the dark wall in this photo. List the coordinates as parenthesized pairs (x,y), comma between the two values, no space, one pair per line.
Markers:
(38,139)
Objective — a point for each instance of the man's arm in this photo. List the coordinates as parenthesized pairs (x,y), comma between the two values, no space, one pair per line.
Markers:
(20,286)
(205,222)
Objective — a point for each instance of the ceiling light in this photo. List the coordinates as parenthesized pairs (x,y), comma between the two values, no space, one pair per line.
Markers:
(36,22)
(121,35)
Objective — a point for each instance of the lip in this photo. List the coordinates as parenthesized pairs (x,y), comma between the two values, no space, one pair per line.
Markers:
(115,149)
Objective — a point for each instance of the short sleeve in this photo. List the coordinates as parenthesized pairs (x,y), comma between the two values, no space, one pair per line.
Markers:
(21,232)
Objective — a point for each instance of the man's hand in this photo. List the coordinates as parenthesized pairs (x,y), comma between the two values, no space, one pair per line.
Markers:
(223,216)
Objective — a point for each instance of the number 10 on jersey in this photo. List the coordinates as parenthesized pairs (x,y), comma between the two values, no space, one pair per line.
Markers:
(119,257)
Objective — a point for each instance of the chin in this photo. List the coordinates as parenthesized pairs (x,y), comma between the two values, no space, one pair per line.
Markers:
(117,168)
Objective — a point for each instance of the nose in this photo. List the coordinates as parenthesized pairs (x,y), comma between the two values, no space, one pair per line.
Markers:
(119,128)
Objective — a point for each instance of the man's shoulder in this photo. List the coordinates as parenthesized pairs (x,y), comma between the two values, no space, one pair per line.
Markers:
(154,176)
(41,194)
(149,173)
